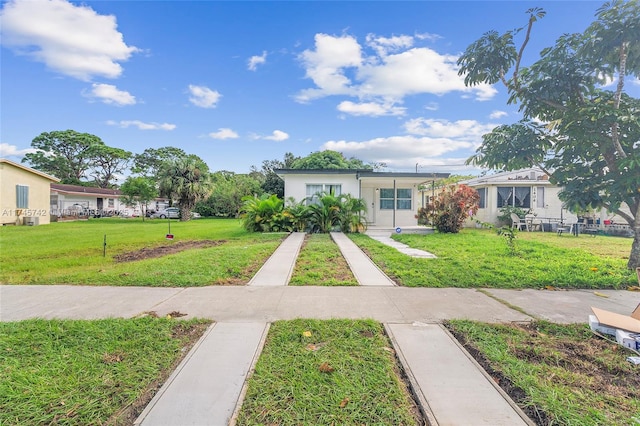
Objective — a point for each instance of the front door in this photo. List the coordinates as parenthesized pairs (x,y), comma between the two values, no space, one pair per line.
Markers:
(369,196)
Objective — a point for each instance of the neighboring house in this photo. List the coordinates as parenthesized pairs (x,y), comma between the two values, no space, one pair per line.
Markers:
(528,189)
(24,194)
(531,190)
(392,199)
(77,200)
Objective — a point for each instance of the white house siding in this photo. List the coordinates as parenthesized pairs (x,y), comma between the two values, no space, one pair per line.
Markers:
(296,184)
(544,203)
(35,187)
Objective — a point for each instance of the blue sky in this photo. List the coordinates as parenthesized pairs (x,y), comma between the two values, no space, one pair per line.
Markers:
(241,82)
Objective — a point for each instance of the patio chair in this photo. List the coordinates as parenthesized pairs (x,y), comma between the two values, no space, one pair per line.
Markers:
(516,222)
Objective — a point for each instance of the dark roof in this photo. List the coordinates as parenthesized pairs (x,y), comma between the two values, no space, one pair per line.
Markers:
(360,173)
(88,190)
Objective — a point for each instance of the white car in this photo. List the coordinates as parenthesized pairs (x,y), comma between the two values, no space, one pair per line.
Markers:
(169,212)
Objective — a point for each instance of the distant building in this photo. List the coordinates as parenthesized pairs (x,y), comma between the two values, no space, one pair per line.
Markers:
(24,194)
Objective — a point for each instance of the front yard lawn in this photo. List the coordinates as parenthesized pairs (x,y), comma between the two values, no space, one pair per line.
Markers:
(336,372)
(559,374)
(481,258)
(213,251)
(87,372)
(321,263)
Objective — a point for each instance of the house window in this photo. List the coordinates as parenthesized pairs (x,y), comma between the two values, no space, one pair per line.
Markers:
(22,197)
(514,196)
(110,203)
(314,189)
(402,199)
(482,192)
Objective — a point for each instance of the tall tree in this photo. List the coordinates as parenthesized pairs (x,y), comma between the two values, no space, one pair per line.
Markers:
(272,183)
(149,162)
(186,180)
(138,190)
(328,160)
(583,132)
(108,163)
(65,154)
(228,190)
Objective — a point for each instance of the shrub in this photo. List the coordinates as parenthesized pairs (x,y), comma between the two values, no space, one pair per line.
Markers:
(450,208)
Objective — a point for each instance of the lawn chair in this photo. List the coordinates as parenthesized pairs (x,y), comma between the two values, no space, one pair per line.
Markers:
(518,223)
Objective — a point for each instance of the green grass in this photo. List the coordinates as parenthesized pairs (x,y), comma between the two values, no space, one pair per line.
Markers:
(321,263)
(72,253)
(85,372)
(290,388)
(567,375)
(480,258)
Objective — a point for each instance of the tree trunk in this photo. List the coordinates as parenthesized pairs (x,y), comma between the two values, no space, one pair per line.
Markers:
(185,213)
(634,256)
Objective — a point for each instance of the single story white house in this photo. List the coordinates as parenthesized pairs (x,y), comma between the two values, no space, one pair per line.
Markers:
(530,190)
(392,199)
(77,200)
(24,194)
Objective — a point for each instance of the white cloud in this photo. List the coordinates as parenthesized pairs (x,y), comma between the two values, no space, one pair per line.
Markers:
(427,144)
(278,136)
(338,65)
(142,125)
(69,39)
(497,114)
(428,36)
(371,109)
(109,94)
(384,45)
(203,97)
(468,130)
(7,150)
(325,65)
(432,106)
(224,133)
(255,60)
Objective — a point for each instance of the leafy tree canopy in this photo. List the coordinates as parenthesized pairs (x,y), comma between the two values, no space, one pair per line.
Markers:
(65,154)
(329,160)
(577,126)
(150,160)
(138,190)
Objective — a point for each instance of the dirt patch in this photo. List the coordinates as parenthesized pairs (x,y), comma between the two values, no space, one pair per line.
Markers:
(153,252)
(583,357)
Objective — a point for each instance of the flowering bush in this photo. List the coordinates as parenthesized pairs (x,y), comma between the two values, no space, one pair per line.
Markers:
(450,208)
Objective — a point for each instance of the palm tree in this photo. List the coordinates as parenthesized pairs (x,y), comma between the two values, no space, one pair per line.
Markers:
(186,180)
(352,214)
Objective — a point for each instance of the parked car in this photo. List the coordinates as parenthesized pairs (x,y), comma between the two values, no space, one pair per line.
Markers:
(172,213)
(169,212)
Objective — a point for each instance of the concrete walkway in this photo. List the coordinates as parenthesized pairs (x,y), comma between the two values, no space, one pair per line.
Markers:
(278,268)
(207,386)
(385,238)
(366,272)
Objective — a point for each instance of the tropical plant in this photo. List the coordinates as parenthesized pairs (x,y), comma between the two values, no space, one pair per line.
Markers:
(186,180)
(324,212)
(504,217)
(298,213)
(580,121)
(451,207)
(353,214)
(265,214)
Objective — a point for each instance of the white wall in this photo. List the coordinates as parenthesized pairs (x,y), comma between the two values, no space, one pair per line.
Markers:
(295,186)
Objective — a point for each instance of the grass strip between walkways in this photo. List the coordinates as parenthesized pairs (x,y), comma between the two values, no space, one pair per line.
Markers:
(87,372)
(341,372)
(321,263)
(558,374)
(481,258)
